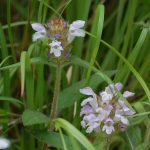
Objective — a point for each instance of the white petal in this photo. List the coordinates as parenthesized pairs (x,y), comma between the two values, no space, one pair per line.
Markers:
(4,143)
(55,43)
(70,37)
(77,32)
(57,52)
(78,23)
(105,96)
(83,123)
(89,129)
(87,91)
(38,27)
(87,100)
(127,94)
(37,35)
(124,120)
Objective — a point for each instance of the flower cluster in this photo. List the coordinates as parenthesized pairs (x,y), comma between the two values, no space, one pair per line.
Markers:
(59,35)
(107,111)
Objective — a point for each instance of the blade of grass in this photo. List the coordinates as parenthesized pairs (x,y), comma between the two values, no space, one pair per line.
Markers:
(74,132)
(4,54)
(136,74)
(98,21)
(123,74)
(10,36)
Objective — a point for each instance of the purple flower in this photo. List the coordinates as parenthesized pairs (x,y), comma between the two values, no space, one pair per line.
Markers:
(68,54)
(122,108)
(106,111)
(127,94)
(65,23)
(57,35)
(49,54)
(119,86)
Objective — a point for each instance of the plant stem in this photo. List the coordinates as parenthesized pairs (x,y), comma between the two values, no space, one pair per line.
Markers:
(55,100)
(56,94)
(107,143)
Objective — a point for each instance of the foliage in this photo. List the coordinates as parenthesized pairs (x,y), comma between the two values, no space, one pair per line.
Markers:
(115,49)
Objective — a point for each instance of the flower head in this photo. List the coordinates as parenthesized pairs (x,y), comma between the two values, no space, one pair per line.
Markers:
(57,31)
(107,111)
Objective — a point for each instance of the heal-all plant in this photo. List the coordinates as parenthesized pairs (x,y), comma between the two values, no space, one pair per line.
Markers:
(62,86)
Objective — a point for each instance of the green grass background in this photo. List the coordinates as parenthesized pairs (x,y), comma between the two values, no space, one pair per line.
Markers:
(116,49)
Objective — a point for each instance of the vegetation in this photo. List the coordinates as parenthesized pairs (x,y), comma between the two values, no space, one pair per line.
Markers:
(40,99)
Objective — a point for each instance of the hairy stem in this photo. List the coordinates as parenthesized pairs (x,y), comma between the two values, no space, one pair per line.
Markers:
(55,100)
(56,94)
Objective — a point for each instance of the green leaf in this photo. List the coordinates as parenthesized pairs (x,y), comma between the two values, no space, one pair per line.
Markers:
(52,138)
(68,127)
(30,117)
(95,43)
(10,99)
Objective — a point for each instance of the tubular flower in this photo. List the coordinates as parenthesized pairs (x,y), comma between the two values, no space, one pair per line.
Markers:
(75,30)
(107,111)
(58,35)
(40,31)
(56,48)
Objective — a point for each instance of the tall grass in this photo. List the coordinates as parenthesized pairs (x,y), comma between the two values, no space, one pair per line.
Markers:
(116,48)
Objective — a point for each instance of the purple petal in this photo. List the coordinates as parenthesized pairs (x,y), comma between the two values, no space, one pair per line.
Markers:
(85,110)
(49,54)
(65,24)
(119,86)
(127,94)
(57,35)
(68,54)
(62,45)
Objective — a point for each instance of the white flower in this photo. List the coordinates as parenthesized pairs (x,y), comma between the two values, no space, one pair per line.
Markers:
(106,97)
(108,127)
(93,126)
(83,123)
(91,100)
(4,143)
(40,31)
(75,30)
(121,118)
(56,48)
(123,109)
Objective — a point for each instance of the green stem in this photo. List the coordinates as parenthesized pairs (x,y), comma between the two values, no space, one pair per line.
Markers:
(55,100)
(56,94)
(107,143)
